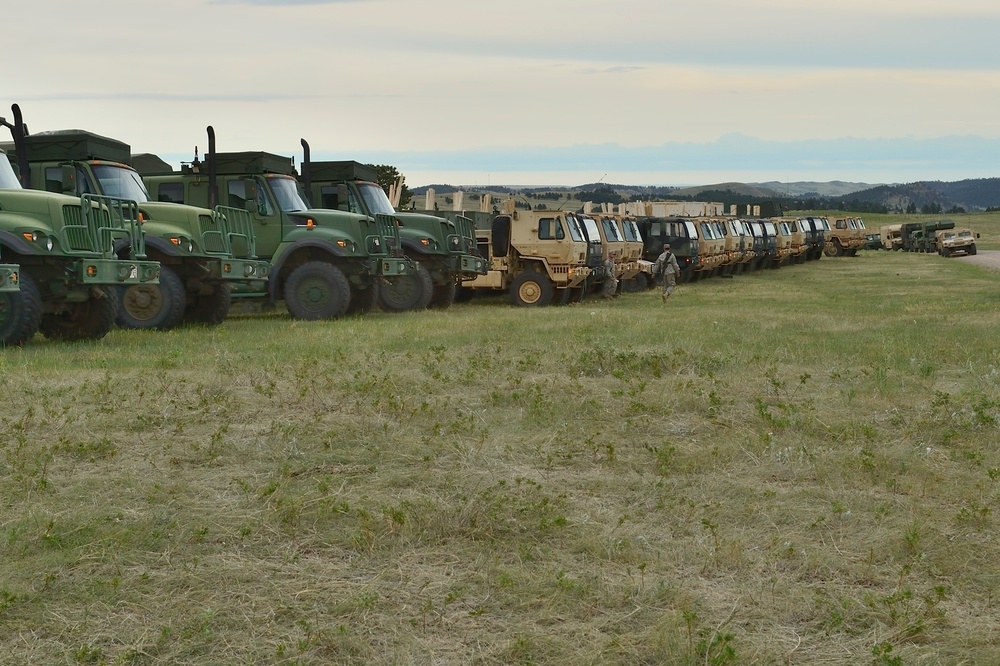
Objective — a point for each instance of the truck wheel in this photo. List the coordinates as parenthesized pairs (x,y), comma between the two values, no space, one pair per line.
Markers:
(972,249)
(444,295)
(363,300)
(464,294)
(152,306)
(635,284)
(210,309)
(317,290)
(407,292)
(90,320)
(531,289)
(20,313)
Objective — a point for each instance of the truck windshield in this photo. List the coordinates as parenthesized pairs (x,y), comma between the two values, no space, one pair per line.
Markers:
(8,181)
(632,231)
(376,200)
(593,233)
(611,230)
(692,232)
(575,232)
(117,181)
(288,193)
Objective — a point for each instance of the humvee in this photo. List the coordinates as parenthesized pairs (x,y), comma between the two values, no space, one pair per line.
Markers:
(952,241)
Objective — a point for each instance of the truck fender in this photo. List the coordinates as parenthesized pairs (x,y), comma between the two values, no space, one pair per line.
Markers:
(413,246)
(152,243)
(16,243)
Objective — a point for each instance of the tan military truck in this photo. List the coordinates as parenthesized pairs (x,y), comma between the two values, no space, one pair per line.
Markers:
(892,236)
(845,237)
(537,257)
(711,248)
(792,243)
(953,241)
(623,243)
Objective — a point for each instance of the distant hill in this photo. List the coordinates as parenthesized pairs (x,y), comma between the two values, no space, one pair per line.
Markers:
(833,188)
(925,196)
(970,195)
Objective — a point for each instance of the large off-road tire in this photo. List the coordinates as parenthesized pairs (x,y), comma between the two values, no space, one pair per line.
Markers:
(972,249)
(635,284)
(317,290)
(444,295)
(20,313)
(407,292)
(531,289)
(464,294)
(210,309)
(364,300)
(89,320)
(152,306)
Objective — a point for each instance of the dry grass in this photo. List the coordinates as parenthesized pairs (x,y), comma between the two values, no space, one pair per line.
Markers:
(797,466)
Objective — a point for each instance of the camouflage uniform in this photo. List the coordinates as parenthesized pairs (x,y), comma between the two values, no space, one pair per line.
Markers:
(610,282)
(667,264)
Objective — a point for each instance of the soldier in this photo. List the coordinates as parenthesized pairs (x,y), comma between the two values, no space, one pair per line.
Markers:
(667,264)
(610,282)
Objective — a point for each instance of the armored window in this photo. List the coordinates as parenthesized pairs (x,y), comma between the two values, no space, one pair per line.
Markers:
(611,231)
(328,197)
(171,192)
(237,193)
(550,228)
(841,224)
(53,179)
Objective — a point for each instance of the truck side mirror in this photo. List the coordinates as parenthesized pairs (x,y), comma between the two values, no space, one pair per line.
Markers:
(69,179)
(343,200)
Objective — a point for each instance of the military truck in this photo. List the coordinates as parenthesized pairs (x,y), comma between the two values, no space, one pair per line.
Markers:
(816,229)
(444,251)
(765,242)
(891,236)
(680,233)
(633,274)
(844,238)
(324,263)
(792,240)
(950,242)
(537,257)
(201,252)
(920,236)
(65,249)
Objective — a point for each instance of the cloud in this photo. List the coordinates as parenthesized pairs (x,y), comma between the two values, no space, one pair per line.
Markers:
(282,3)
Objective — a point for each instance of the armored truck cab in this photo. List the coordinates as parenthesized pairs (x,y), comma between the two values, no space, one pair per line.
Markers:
(201,252)
(765,242)
(680,233)
(444,251)
(536,256)
(324,263)
(845,237)
(65,249)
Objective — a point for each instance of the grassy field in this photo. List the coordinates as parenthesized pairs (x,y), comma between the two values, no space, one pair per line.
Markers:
(792,467)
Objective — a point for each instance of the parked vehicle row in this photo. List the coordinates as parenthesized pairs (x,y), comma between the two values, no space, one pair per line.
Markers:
(262,241)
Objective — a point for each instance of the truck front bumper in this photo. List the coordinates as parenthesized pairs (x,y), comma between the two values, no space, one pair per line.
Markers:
(115,271)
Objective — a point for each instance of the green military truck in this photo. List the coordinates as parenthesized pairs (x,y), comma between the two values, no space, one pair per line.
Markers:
(444,251)
(65,249)
(201,252)
(324,263)
(921,236)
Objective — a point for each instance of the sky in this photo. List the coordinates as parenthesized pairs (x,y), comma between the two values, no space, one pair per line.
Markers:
(539,92)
